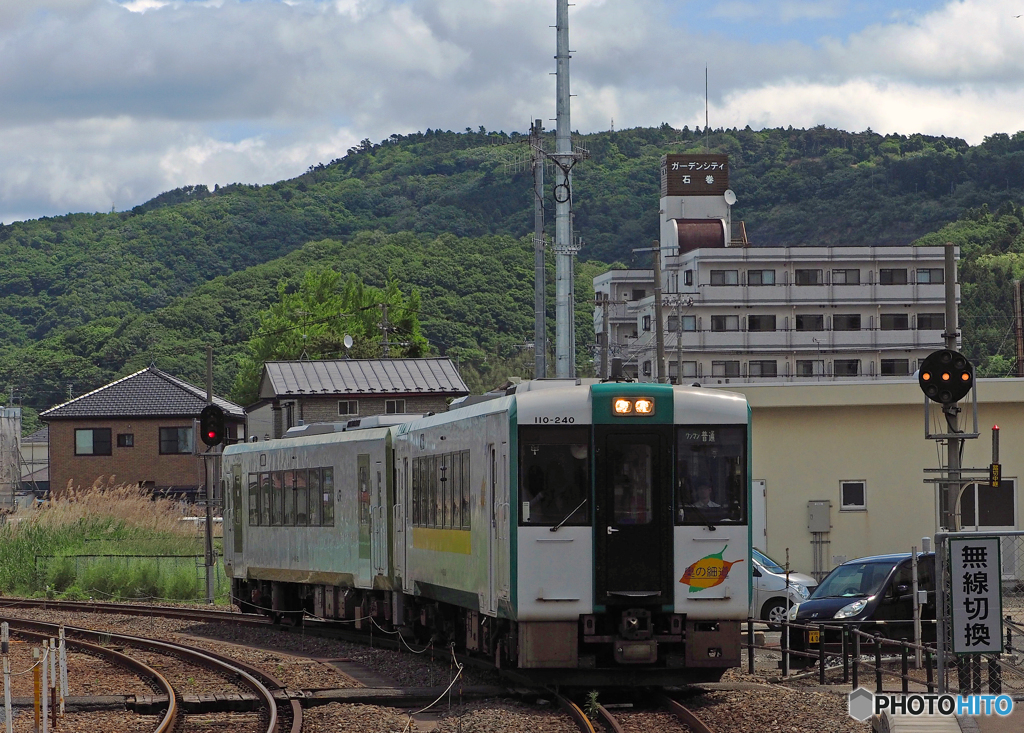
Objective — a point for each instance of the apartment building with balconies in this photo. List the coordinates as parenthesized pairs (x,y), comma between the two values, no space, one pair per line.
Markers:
(754,314)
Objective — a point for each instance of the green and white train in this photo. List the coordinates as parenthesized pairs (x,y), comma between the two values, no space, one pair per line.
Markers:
(577,533)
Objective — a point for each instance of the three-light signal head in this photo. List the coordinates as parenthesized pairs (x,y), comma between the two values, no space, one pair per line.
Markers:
(211,425)
(946,376)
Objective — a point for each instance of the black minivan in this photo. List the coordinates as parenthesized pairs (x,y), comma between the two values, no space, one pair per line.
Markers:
(868,590)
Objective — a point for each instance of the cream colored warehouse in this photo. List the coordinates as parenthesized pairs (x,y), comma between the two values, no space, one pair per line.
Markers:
(810,439)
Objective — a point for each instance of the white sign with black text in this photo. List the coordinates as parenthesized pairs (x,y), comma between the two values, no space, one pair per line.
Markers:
(976,594)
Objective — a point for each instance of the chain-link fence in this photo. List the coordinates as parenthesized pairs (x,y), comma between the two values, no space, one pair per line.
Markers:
(980,608)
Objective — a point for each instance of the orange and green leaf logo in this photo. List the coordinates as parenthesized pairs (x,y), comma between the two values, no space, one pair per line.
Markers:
(708,572)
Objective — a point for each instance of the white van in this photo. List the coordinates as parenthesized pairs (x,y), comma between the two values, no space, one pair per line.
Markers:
(769,599)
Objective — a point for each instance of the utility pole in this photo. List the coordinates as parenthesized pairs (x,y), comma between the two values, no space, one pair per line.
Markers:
(951,411)
(210,471)
(606,336)
(539,275)
(1018,320)
(679,340)
(659,323)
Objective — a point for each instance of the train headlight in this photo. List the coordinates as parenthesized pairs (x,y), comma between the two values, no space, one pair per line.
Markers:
(622,406)
(644,406)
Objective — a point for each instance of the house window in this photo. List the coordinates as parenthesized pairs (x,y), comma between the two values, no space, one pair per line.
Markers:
(688,277)
(725,369)
(763,368)
(689,370)
(846,322)
(760,323)
(892,276)
(689,323)
(852,496)
(394,407)
(92,442)
(348,407)
(846,277)
(808,277)
(847,367)
(895,367)
(725,323)
(175,440)
(810,367)
(810,323)
(894,321)
(931,321)
(725,277)
(760,277)
(645,323)
(647,368)
(126,440)
(931,276)
(639,295)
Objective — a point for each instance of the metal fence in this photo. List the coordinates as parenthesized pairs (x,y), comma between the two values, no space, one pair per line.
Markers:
(980,609)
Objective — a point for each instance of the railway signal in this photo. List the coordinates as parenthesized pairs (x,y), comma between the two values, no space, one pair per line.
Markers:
(946,376)
(211,425)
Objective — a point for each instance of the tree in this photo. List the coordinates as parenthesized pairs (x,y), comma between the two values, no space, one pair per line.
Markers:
(312,319)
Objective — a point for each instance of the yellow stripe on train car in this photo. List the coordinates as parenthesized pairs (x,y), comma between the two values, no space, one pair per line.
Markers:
(442,540)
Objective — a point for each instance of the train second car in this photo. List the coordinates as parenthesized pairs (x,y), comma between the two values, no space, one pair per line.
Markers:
(578,534)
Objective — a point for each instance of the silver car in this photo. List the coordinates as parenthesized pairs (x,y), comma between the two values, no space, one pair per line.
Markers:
(770,600)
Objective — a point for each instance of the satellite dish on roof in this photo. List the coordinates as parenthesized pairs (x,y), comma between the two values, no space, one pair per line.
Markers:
(348,341)
(730,196)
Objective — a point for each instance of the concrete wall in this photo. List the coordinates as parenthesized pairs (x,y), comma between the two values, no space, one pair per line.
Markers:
(809,438)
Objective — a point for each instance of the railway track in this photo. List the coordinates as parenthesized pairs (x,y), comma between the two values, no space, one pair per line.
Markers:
(663,716)
(263,690)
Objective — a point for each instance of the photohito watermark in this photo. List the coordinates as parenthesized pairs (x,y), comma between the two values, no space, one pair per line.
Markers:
(862,704)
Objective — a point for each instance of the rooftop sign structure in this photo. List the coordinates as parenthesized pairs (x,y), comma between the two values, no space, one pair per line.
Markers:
(694,175)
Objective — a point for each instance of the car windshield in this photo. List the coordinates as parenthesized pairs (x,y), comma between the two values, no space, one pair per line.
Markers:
(854,580)
(767,563)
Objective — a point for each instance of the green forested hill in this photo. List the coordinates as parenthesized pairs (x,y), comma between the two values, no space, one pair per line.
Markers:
(87,297)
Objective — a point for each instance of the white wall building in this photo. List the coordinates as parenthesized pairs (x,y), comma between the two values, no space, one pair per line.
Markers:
(790,313)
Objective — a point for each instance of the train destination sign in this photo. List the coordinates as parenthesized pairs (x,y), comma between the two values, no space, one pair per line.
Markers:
(694,175)
(975,573)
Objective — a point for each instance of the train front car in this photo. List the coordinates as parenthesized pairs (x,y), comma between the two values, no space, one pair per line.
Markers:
(632,545)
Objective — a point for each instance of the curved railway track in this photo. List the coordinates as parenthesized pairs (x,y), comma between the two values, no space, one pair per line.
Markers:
(262,685)
(611,724)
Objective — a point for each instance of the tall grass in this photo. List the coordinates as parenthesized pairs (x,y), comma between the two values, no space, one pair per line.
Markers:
(42,547)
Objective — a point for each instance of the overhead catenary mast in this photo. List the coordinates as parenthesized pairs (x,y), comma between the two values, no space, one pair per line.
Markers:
(565,248)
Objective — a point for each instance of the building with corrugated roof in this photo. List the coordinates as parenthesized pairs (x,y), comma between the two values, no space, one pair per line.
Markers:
(303,392)
(138,429)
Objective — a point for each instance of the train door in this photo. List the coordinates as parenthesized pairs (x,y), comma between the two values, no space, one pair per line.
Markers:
(493,533)
(401,501)
(504,518)
(379,524)
(633,516)
(236,507)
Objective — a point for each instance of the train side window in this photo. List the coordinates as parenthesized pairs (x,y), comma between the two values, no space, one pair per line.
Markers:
(314,497)
(466,486)
(277,509)
(435,500)
(711,474)
(444,481)
(328,489)
(414,500)
(554,476)
(301,499)
(266,499)
(254,499)
(455,491)
(289,498)
(364,488)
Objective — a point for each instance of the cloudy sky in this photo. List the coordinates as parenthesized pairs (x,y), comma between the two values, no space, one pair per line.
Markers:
(106,103)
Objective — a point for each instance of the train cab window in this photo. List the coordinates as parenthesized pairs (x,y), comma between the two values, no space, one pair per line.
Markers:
(711,474)
(363,461)
(554,476)
(254,499)
(314,497)
(633,469)
(327,486)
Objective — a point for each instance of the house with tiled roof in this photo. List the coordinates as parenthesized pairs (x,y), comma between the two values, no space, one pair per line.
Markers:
(138,429)
(303,392)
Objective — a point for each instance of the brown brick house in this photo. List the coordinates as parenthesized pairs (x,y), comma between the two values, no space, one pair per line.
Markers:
(303,392)
(138,429)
